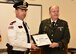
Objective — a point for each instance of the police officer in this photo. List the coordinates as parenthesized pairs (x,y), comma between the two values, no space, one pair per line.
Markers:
(58,32)
(18,31)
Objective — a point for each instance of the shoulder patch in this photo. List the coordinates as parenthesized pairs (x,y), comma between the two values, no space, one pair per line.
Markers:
(10,27)
(12,22)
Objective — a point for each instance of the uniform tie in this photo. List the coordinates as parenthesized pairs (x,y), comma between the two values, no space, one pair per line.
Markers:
(28,38)
(53,24)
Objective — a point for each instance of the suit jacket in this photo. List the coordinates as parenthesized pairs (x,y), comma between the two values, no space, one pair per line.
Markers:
(59,33)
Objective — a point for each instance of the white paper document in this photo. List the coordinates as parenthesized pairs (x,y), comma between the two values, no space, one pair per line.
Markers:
(41,39)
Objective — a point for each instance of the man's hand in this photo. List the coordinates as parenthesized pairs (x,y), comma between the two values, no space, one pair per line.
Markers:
(33,46)
(54,44)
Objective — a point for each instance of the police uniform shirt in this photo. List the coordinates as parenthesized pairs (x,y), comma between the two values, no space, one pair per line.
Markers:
(17,35)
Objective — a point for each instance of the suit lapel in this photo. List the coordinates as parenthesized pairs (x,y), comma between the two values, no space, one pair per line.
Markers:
(49,23)
(57,23)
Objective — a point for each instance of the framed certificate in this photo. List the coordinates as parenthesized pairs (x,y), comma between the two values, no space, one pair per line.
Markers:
(41,39)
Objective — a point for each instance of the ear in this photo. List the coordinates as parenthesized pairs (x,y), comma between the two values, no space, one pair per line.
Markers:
(16,11)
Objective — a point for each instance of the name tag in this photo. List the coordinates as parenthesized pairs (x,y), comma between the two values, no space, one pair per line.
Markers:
(20,27)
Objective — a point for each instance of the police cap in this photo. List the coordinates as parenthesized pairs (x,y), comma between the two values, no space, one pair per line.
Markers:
(21,4)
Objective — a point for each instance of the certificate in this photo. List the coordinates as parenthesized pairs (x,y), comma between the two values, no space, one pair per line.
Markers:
(41,39)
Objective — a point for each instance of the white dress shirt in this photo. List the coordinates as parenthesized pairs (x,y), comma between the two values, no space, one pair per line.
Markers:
(17,35)
(53,20)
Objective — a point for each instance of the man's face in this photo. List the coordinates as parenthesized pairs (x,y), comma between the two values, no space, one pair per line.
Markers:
(21,13)
(54,12)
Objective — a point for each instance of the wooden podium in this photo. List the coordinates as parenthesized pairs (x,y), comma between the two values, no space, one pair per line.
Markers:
(37,51)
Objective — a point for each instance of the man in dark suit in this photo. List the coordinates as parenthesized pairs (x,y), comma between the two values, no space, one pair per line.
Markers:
(58,32)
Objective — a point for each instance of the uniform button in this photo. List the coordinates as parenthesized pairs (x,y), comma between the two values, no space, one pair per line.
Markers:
(52,31)
(52,35)
(51,39)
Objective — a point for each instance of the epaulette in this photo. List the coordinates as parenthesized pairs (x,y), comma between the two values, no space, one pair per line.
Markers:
(12,22)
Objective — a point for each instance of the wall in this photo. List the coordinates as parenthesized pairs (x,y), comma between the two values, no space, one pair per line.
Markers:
(67,12)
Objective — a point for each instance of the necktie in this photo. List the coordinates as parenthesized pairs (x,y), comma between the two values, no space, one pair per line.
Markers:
(53,24)
(28,38)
